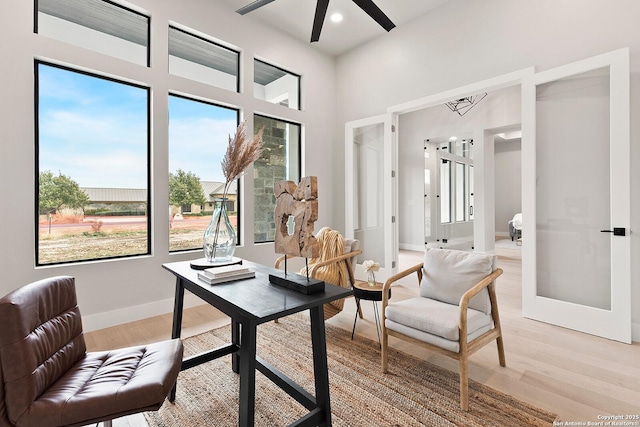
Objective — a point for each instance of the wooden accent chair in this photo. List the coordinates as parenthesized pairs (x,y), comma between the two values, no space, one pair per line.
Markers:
(48,379)
(336,264)
(456,313)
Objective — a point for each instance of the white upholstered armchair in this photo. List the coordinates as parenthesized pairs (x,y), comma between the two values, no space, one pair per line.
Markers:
(456,312)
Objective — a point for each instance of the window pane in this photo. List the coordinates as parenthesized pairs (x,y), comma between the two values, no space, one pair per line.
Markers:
(279,161)
(199,59)
(97,25)
(276,85)
(460,192)
(198,138)
(445,191)
(93,168)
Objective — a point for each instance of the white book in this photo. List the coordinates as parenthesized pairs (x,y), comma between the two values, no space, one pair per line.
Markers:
(226,271)
(214,281)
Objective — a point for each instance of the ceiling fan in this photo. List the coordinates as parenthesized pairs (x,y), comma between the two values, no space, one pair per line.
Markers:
(321,10)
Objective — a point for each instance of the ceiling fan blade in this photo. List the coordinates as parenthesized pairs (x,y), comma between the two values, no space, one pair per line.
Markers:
(253,6)
(374,11)
(321,11)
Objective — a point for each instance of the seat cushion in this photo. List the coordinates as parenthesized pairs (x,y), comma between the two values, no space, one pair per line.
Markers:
(108,384)
(434,322)
(448,274)
(435,317)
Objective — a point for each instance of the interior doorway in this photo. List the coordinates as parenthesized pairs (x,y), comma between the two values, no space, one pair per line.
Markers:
(449,191)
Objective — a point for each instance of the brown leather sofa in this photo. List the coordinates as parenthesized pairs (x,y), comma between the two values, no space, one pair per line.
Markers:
(47,377)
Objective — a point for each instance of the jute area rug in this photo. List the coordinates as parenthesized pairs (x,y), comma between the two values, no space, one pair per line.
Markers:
(413,393)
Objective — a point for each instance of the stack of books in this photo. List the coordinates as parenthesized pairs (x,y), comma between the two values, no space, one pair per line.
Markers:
(227,273)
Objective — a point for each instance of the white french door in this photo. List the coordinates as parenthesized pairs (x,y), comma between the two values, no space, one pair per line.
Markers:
(369,191)
(576,196)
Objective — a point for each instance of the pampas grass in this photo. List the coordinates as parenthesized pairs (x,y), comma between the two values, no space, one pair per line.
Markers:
(241,152)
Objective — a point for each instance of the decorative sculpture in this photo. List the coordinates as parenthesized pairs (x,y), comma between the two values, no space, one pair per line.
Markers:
(301,203)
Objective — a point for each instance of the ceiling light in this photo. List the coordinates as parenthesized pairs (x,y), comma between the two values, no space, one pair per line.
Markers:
(336,17)
(462,105)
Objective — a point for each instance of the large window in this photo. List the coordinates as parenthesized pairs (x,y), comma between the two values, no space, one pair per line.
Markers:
(92,167)
(275,85)
(200,59)
(279,161)
(99,25)
(198,137)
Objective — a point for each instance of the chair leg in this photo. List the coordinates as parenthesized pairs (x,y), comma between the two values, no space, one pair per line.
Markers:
(464,382)
(384,350)
(501,357)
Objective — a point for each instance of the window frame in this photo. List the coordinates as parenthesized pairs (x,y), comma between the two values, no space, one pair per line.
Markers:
(220,45)
(112,3)
(93,74)
(299,160)
(239,200)
(299,77)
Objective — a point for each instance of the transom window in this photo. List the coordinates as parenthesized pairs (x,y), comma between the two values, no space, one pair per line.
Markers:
(197,58)
(275,85)
(99,25)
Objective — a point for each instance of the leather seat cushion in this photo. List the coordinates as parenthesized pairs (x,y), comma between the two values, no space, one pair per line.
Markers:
(105,383)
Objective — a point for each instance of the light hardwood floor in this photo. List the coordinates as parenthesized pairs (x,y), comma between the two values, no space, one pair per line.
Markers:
(577,376)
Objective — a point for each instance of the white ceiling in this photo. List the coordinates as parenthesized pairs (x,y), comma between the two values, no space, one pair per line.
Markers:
(296,18)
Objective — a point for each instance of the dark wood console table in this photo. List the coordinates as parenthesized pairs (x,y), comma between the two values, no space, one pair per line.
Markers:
(249,303)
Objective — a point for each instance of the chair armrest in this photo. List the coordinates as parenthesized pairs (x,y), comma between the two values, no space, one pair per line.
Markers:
(466,297)
(279,260)
(343,257)
(387,285)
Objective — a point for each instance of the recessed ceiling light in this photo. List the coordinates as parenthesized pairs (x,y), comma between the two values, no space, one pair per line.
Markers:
(336,17)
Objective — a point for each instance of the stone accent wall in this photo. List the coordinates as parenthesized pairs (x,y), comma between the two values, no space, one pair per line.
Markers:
(269,169)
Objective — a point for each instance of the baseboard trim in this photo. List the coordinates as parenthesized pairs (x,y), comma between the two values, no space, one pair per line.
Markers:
(635,332)
(410,247)
(131,314)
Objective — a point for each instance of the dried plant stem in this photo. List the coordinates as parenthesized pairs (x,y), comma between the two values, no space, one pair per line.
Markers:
(241,152)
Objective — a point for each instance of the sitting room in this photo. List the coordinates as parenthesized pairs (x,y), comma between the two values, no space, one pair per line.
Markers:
(154,140)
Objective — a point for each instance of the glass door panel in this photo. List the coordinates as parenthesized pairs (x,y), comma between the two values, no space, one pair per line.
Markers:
(576,248)
(573,197)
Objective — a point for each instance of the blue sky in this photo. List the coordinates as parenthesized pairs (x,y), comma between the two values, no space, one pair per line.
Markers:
(95,131)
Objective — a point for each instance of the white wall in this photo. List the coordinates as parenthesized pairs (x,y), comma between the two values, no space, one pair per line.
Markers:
(437,52)
(122,290)
(508,182)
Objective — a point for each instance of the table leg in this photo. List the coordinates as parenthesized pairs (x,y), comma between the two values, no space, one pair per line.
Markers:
(247,373)
(358,310)
(235,339)
(178,304)
(320,367)
(377,318)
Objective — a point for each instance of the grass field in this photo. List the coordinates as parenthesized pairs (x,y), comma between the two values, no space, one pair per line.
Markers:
(73,240)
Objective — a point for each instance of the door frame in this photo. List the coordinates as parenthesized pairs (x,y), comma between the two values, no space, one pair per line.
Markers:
(614,323)
(484,210)
(390,264)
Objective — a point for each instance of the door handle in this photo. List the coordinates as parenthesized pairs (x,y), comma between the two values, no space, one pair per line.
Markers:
(617,231)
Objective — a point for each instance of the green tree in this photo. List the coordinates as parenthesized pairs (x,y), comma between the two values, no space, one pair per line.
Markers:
(185,189)
(58,191)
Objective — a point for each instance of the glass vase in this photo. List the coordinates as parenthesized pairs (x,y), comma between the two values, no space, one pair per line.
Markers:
(371,278)
(219,241)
